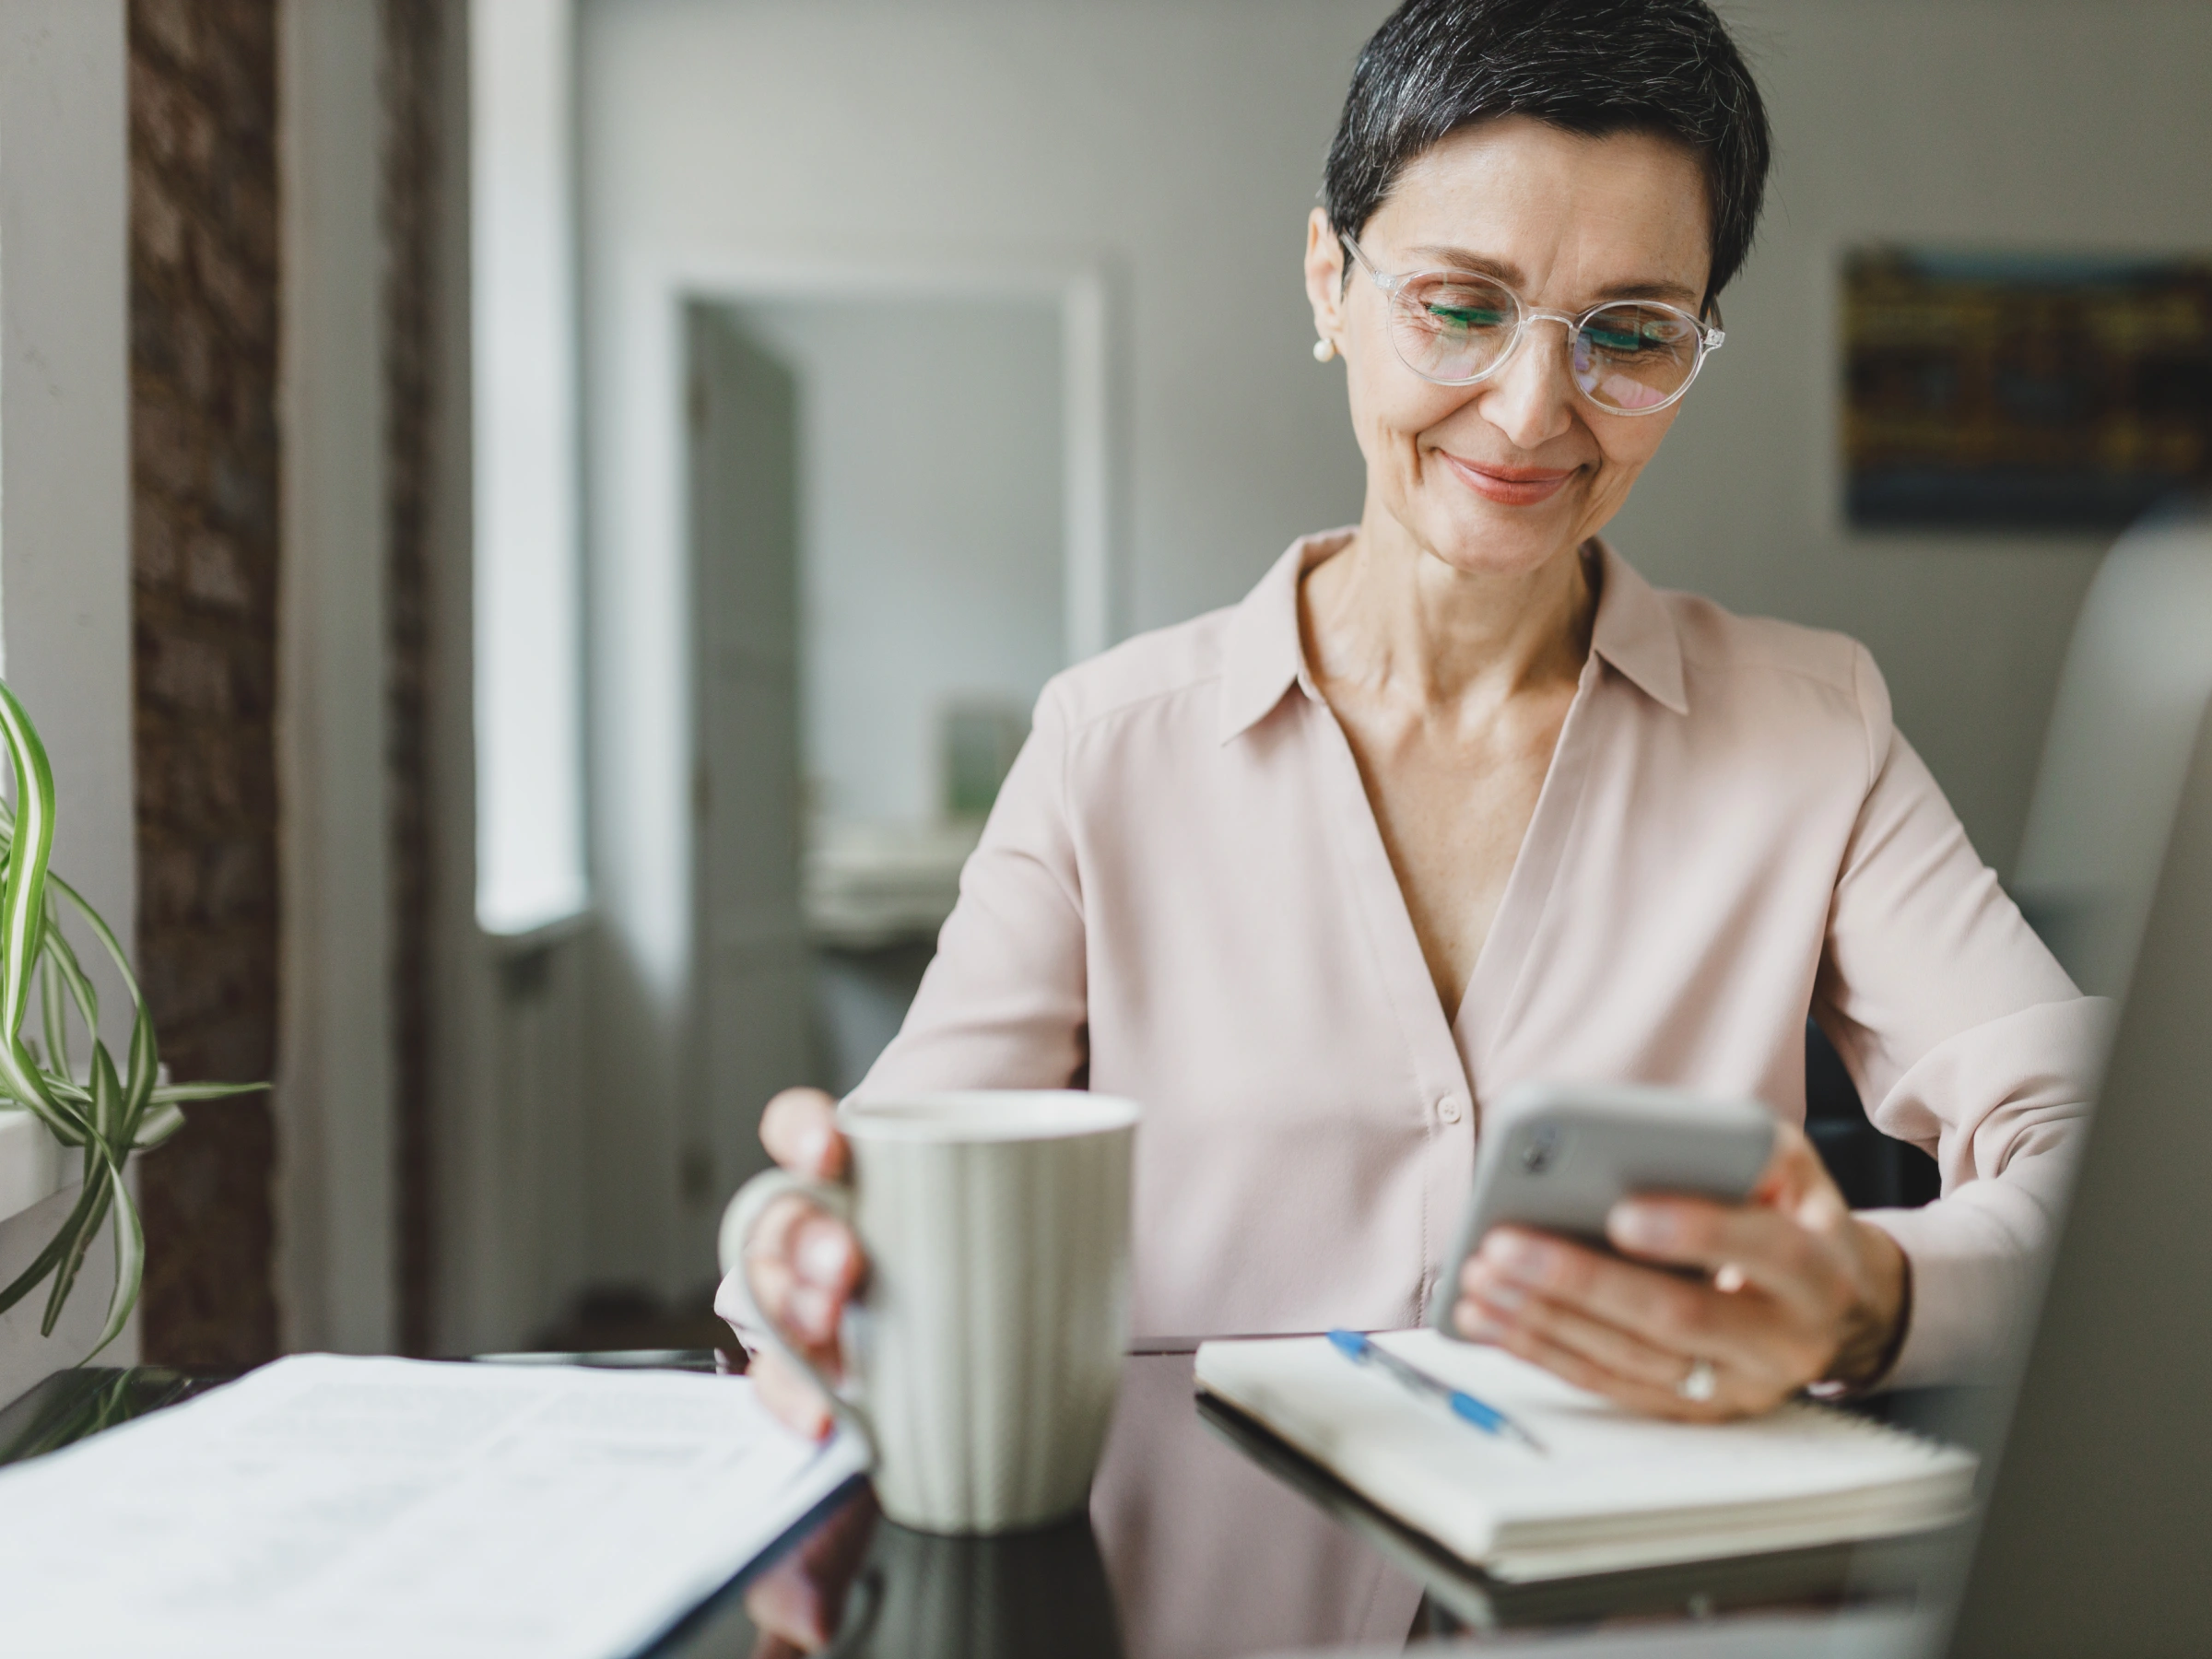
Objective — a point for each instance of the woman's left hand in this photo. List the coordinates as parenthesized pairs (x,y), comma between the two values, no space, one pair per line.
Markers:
(1793,1289)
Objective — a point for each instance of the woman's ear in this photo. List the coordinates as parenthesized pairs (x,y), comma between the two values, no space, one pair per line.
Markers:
(1324,281)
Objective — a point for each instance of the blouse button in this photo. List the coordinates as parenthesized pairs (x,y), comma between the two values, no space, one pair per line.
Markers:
(1449,1108)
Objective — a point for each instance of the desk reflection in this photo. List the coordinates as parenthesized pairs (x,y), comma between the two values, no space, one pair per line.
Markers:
(912,1595)
(1211,1555)
(1207,1540)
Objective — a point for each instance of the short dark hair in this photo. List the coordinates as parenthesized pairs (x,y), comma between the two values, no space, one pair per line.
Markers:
(1588,66)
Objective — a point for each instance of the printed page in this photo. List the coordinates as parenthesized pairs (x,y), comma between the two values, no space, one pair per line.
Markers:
(345,1506)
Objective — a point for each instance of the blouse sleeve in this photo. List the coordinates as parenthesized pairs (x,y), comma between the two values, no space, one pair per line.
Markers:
(1965,1038)
(1003,1003)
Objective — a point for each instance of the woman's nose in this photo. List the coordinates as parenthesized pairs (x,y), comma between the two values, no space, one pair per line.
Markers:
(1529,400)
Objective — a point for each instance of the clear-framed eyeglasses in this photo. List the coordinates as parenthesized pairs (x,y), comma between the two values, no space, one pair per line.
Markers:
(1457,328)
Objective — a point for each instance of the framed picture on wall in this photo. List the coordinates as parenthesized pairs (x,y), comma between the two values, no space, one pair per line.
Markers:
(2022,391)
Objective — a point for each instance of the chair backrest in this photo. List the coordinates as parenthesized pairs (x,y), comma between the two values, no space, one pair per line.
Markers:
(2094,1540)
(2138,678)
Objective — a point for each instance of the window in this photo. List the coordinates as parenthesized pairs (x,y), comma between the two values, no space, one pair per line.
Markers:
(529,698)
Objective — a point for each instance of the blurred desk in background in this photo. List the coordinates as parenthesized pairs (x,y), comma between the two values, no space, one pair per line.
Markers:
(867,886)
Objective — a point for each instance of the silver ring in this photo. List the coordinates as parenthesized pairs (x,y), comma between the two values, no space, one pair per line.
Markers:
(1699,1383)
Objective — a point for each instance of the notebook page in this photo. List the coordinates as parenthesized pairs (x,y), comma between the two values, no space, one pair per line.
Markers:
(372,1506)
(1617,1490)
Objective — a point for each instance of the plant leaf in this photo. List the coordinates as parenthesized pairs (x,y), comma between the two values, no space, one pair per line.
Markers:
(43,1263)
(170,1093)
(130,1260)
(101,931)
(51,1013)
(73,1259)
(146,1067)
(103,1168)
(65,1277)
(66,1112)
(62,1109)
(76,1100)
(23,896)
(107,1098)
(160,1122)
(23,903)
(62,955)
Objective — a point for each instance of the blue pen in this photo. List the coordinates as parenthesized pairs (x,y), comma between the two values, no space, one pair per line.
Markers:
(1462,1404)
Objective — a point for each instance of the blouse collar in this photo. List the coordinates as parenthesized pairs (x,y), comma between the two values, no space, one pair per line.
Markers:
(1263,657)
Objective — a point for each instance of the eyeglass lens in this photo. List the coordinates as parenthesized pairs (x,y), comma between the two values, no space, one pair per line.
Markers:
(1629,356)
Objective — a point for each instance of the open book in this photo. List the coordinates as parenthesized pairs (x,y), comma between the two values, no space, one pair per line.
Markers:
(1612,1490)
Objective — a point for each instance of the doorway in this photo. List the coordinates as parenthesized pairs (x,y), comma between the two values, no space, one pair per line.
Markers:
(880,511)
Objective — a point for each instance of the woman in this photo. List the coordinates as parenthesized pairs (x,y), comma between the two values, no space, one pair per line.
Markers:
(1455,800)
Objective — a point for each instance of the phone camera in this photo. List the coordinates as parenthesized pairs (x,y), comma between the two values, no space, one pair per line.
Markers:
(1541,1150)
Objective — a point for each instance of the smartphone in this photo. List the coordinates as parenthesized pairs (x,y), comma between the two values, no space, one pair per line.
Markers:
(1559,1156)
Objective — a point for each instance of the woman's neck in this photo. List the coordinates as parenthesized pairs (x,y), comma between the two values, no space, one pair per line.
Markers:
(1398,621)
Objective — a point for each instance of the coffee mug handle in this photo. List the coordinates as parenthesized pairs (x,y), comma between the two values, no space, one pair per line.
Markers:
(737,1222)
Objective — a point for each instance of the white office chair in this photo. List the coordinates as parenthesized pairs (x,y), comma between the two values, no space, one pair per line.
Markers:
(2137,681)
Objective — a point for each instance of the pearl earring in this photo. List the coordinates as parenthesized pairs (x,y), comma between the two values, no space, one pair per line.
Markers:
(1323,349)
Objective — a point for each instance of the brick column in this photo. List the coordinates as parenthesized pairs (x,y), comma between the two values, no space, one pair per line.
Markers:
(414,46)
(204,336)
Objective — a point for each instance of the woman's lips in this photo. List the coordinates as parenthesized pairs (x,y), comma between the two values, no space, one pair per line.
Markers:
(1510,485)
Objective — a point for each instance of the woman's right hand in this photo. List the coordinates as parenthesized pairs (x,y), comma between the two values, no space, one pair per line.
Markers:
(804,1263)
(798,1604)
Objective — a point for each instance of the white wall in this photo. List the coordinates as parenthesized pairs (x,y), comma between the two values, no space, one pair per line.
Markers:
(1179,143)
(2030,123)
(64,534)
(929,528)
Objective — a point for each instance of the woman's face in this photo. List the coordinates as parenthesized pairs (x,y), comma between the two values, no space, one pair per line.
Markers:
(1505,475)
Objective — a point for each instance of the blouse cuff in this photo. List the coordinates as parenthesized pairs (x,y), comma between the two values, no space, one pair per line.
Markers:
(1965,1280)
(1836,1388)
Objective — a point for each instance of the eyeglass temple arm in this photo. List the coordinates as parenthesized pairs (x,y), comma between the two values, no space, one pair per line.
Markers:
(1389,284)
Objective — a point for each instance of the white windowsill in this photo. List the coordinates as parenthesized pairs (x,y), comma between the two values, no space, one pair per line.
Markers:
(555,930)
(30,1162)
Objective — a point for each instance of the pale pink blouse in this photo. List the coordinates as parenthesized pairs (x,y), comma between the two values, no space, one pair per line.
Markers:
(1182,897)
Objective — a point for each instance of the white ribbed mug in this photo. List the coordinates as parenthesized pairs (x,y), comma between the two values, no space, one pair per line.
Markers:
(982,1357)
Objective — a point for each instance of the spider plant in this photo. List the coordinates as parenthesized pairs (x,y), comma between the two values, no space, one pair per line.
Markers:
(103,1112)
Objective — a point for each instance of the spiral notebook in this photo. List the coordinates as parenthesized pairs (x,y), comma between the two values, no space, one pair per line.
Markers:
(1612,1490)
